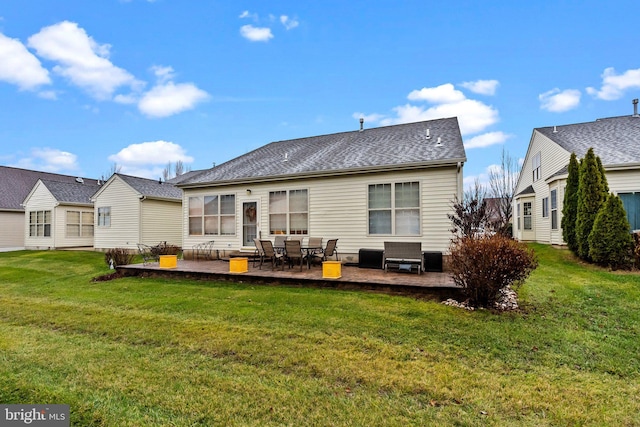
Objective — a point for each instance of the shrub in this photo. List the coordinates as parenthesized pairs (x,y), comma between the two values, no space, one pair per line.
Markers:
(591,197)
(636,248)
(483,266)
(570,205)
(469,217)
(120,256)
(610,241)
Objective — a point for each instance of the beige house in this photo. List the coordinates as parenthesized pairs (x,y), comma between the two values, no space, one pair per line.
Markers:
(59,214)
(541,186)
(131,210)
(393,183)
(15,185)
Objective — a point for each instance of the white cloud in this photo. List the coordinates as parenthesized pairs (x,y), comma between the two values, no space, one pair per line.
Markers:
(49,160)
(148,159)
(163,74)
(614,85)
(557,101)
(436,95)
(482,87)
(246,14)
(48,94)
(288,23)
(256,34)
(83,61)
(169,98)
(486,140)
(19,66)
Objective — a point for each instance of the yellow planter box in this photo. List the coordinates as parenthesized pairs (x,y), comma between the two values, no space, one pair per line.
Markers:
(331,270)
(168,261)
(238,265)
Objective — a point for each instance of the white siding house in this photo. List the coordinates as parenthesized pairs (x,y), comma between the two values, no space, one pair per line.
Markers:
(59,215)
(540,190)
(393,183)
(15,185)
(131,210)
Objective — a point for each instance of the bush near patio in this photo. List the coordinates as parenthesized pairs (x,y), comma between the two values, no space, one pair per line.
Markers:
(485,265)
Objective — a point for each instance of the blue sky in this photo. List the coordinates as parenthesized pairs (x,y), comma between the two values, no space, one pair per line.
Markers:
(85,84)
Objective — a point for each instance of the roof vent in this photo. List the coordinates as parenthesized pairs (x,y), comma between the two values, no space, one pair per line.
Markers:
(286,157)
(428,134)
(361,124)
(555,129)
(80,180)
(635,107)
(439,142)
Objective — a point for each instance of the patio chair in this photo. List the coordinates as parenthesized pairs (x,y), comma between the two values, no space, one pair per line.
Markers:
(278,243)
(293,252)
(330,250)
(258,254)
(148,254)
(204,250)
(271,254)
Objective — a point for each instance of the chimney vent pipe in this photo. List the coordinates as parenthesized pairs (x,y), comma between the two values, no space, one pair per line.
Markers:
(361,124)
(635,107)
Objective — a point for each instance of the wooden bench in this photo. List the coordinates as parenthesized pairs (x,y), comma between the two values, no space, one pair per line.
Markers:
(404,255)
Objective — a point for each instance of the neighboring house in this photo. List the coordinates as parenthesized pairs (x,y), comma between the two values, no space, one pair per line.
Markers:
(394,183)
(132,210)
(540,190)
(59,214)
(15,185)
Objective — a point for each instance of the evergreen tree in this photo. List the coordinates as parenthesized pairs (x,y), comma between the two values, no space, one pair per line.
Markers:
(604,176)
(591,197)
(610,241)
(570,205)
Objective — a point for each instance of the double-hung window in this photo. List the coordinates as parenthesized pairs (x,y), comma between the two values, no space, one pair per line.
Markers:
(545,207)
(526,216)
(535,166)
(554,209)
(212,215)
(394,209)
(40,224)
(79,224)
(289,212)
(104,216)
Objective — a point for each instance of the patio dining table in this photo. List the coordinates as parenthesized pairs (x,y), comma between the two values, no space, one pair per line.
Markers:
(307,252)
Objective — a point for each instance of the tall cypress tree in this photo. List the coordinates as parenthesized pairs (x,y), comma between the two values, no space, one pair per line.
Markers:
(591,197)
(610,241)
(603,175)
(570,205)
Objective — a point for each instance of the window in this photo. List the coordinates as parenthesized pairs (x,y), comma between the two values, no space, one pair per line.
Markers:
(212,215)
(545,207)
(631,203)
(289,212)
(526,213)
(104,217)
(535,166)
(79,224)
(554,209)
(394,208)
(40,224)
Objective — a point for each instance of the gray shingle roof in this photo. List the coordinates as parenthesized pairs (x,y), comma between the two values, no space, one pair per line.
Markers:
(71,192)
(528,190)
(615,140)
(389,146)
(15,184)
(152,188)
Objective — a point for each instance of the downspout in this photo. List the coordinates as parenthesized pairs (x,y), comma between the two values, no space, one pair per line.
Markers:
(140,222)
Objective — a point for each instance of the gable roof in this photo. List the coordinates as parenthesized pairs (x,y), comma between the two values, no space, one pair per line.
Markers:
(71,192)
(383,148)
(16,184)
(152,188)
(616,140)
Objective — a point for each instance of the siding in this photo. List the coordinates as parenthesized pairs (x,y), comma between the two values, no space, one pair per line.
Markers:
(12,229)
(40,199)
(338,209)
(161,221)
(124,231)
(60,228)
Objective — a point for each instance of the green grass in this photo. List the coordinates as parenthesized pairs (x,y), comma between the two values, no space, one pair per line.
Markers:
(142,351)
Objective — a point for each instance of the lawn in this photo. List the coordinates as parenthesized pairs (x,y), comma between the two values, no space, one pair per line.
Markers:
(150,352)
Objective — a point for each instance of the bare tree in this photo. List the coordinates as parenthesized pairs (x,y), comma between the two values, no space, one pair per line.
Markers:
(179,168)
(115,168)
(166,172)
(502,184)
